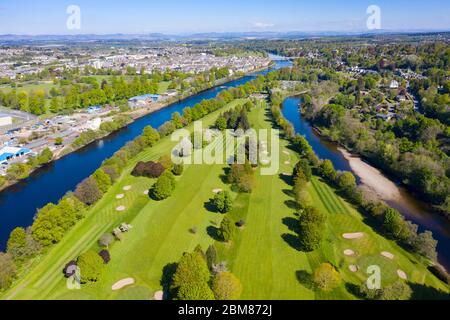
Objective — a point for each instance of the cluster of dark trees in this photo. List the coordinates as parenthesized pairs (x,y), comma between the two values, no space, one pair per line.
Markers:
(235,119)
(198,276)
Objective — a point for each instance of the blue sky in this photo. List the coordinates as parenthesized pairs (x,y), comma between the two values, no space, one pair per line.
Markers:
(192,16)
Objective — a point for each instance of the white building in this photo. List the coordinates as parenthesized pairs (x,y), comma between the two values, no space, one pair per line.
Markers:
(394,84)
(93,124)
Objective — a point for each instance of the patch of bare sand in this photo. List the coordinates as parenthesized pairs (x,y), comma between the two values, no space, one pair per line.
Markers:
(388,255)
(402,274)
(122,283)
(350,236)
(349,252)
(372,177)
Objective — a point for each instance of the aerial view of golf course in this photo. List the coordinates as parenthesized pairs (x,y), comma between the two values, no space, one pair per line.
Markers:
(228,166)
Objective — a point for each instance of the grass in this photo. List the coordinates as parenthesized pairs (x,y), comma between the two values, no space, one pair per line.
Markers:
(263,253)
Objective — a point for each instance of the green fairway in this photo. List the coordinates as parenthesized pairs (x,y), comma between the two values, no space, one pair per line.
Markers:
(262,254)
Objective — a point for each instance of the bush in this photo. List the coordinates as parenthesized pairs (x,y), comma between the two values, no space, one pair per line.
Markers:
(312,225)
(112,172)
(246,183)
(399,290)
(211,256)
(240,223)
(226,286)
(163,187)
(88,191)
(103,180)
(191,277)
(226,229)
(326,277)
(178,169)
(148,169)
(166,162)
(222,202)
(304,167)
(346,182)
(440,273)
(105,255)
(7,270)
(106,239)
(91,266)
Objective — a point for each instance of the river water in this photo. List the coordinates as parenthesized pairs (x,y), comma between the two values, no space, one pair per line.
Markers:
(413,209)
(19,203)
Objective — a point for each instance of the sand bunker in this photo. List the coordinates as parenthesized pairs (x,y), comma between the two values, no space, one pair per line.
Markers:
(351,236)
(402,274)
(127,188)
(287,174)
(122,283)
(217,190)
(120,196)
(146,192)
(120,209)
(286,152)
(287,162)
(388,255)
(349,252)
(159,295)
(353,268)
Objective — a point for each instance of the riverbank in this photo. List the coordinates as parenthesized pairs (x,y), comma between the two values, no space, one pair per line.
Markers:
(135,115)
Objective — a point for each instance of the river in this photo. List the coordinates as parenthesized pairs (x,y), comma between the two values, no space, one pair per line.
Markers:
(392,193)
(19,203)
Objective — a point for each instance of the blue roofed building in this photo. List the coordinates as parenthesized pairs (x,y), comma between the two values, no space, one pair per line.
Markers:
(9,153)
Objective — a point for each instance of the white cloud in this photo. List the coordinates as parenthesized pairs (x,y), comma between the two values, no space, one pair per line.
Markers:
(260,24)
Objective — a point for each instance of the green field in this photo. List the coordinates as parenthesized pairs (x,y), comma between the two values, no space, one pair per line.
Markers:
(262,255)
(28,87)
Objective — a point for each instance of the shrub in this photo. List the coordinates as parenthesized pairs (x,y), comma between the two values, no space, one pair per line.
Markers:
(151,135)
(178,169)
(304,167)
(346,182)
(7,270)
(91,266)
(326,277)
(440,273)
(103,180)
(246,183)
(226,286)
(222,202)
(327,171)
(396,291)
(105,255)
(240,223)
(163,187)
(106,239)
(211,256)
(196,291)
(226,229)
(111,171)
(166,162)
(312,224)
(148,169)
(88,191)
(191,272)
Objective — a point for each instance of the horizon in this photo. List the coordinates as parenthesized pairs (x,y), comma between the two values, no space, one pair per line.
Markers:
(179,18)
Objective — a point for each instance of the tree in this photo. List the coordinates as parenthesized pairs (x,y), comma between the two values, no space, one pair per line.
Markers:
(103,180)
(151,135)
(166,162)
(312,225)
(346,181)
(148,169)
(88,191)
(221,123)
(326,277)
(226,229)
(164,186)
(211,256)
(327,170)
(190,281)
(105,255)
(17,240)
(199,291)
(7,270)
(91,266)
(226,286)
(178,169)
(425,245)
(106,239)
(222,202)
(59,141)
(45,157)
(304,167)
